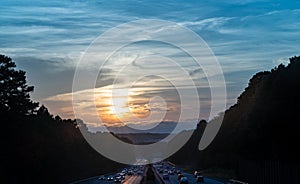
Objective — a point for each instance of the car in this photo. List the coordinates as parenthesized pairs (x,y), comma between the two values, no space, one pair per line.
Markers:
(166,177)
(102,177)
(180,176)
(122,173)
(160,171)
(197,173)
(110,178)
(178,172)
(119,177)
(117,180)
(200,179)
(184,180)
(171,172)
(119,174)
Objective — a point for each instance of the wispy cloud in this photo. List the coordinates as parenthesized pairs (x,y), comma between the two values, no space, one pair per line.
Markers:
(210,24)
(47,38)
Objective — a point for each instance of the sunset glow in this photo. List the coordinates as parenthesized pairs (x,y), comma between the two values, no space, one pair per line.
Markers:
(119,106)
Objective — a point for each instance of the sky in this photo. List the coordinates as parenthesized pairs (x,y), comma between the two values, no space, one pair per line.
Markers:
(48,38)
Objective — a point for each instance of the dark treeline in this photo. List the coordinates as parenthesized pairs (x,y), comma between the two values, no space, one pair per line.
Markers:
(259,136)
(37,147)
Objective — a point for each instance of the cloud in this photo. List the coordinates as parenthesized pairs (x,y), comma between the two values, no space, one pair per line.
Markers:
(196,71)
(47,38)
(48,76)
(210,24)
(243,2)
(59,29)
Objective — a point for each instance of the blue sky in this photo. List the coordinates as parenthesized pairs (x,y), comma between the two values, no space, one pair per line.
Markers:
(47,38)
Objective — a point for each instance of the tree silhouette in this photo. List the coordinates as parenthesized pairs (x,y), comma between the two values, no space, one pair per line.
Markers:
(259,137)
(14,91)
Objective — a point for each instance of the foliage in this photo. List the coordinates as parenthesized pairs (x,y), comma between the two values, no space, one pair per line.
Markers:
(37,147)
(262,126)
(14,91)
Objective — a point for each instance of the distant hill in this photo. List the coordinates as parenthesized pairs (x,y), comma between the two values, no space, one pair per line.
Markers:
(161,128)
(143,138)
(259,134)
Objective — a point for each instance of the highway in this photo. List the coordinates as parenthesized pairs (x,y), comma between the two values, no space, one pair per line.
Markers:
(133,180)
(173,178)
(134,175)
(95,180)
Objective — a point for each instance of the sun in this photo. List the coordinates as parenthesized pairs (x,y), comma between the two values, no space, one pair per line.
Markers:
(119,103)
(119,106)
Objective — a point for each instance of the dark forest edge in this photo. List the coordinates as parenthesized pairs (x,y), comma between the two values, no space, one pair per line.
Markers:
(40,147)
(261,129)
(259,137)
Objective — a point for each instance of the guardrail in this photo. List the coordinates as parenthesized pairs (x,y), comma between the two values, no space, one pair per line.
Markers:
(170,163)
(157,176)
(145,174)
(232,181)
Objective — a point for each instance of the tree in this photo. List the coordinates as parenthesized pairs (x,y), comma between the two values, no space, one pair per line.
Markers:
(43,111)
(14,91)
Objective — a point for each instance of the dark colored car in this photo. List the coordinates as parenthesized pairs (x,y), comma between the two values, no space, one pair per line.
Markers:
(117,180)
(171,172)
(200,179)
(102,178)
(180,176)
(183,180)
(110,178)
(197,173)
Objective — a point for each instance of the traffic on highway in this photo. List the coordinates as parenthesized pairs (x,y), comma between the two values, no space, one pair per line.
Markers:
(166,173)
(171,174)
(130,175)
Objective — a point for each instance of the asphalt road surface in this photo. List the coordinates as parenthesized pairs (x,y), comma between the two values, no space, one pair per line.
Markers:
(134,178)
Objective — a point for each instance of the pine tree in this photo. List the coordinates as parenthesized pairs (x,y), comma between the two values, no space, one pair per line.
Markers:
(14,91)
